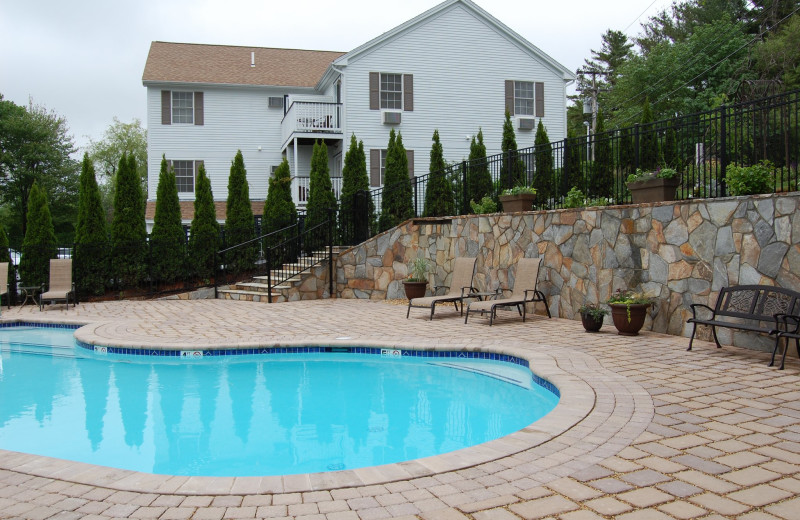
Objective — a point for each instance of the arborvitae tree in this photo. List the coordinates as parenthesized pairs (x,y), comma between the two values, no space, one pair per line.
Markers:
(648,141)
(626,152)
(320,196)
(280,213)
(602,181)
(128,229)
(572,168)
(5,256)
(479,180)
(438,194)
(39,244)
(670,150)
(91,235)
(167,240)
(239,223)
(397,203)
(356,208)
(204,236)
(512,170)
(543,178)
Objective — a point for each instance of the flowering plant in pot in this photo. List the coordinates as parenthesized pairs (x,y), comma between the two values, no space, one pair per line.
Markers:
(628,311)
(592,316)
(417,281)
(518,198)
(653,186)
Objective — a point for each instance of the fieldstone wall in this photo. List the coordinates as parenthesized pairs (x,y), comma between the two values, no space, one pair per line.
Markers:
(680,253)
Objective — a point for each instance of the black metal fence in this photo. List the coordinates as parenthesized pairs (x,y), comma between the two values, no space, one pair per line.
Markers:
(700,146)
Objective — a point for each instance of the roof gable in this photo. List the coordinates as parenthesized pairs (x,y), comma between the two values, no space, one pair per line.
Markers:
(476,11)
(231,65)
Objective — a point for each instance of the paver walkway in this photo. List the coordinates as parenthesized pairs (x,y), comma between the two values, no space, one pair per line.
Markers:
(648,430)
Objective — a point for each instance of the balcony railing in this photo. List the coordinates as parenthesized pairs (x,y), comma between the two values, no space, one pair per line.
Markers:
(307,117)
(304,185)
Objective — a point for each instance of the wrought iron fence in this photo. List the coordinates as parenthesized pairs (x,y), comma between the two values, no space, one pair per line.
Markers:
(700,146)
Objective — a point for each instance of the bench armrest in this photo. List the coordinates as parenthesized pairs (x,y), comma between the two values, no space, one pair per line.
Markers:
(703,307)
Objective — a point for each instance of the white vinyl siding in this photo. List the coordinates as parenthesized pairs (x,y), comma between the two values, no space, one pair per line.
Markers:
(459,89)
(234,119)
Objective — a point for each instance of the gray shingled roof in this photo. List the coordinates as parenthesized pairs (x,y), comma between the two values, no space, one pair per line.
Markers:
(230,65)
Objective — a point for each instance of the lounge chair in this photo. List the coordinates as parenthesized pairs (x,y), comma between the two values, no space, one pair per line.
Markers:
(4,285)
(61,285)
(460,287)
(524,292)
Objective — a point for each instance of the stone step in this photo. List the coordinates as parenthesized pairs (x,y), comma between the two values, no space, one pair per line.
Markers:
(250,296)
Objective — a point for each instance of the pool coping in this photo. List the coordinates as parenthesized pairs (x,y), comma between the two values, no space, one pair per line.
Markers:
(553,441)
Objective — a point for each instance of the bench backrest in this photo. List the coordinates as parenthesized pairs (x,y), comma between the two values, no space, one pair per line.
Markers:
(759,302)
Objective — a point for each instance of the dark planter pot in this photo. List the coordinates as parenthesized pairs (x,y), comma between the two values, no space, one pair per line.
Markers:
(517,203)
(628,324)
(655,190)
(591,324)
(415,289)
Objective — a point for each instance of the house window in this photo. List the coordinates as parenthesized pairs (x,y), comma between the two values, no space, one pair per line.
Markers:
(523,98)
(377,166)
(183,107)
(392,91)
(184,175)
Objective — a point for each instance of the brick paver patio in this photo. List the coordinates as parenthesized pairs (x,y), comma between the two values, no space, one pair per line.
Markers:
(644,429)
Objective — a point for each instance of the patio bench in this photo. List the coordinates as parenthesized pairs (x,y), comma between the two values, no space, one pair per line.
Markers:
(791,330)
(753,308)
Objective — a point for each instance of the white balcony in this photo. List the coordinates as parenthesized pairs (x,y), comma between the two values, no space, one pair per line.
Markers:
(306,119)
(302,186)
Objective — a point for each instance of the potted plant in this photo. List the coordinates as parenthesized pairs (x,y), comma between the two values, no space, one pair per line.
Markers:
(518,198)
(628,311)
(592,316)
(654,186)
(417,281)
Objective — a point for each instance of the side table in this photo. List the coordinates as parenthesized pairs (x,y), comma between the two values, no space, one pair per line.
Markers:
(29,294)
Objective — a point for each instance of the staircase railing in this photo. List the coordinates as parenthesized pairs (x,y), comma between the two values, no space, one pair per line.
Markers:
(281,255)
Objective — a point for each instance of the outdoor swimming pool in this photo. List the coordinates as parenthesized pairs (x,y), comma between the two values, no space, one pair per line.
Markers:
(257,414)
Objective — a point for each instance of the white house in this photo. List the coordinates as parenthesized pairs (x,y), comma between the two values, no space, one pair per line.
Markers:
(454,68)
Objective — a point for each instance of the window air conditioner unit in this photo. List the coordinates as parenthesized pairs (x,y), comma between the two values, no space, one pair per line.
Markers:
(526,124)
(275,102)
(391,118)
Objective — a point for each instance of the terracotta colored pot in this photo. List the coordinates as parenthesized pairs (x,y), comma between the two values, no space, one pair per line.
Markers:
(517,203)
(628,323)
(654,190)
(415,289)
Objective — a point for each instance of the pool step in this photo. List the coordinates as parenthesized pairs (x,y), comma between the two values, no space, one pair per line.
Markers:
(65,351)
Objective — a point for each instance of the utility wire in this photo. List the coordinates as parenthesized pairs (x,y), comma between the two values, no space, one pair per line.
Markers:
(754,39)
(640,16)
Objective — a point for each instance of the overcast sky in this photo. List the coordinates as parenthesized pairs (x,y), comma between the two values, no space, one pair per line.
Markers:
(84,59)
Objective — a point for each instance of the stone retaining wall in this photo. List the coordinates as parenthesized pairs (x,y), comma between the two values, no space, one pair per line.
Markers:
(680,253)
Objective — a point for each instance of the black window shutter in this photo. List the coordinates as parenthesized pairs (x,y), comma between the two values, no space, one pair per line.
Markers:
(374,168)
(199,112)
(374,91)
(538,96)
(510,96)
(166,107)
(408,92)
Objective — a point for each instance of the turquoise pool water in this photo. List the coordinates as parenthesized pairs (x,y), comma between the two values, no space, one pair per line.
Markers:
(251,415)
